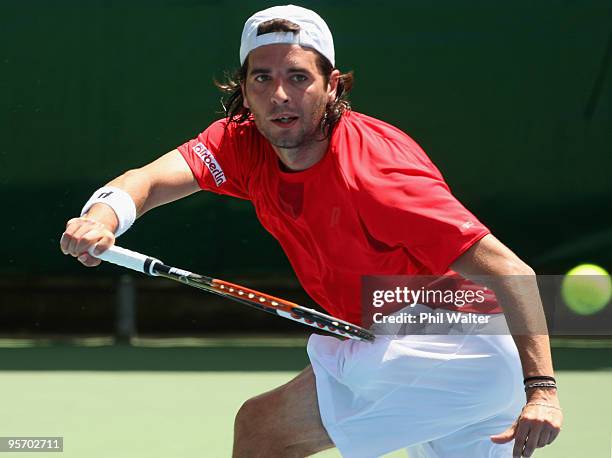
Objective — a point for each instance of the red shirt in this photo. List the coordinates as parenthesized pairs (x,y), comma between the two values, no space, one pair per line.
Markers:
(373,205)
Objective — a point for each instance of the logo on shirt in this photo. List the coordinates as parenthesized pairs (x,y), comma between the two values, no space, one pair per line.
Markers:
(211,163)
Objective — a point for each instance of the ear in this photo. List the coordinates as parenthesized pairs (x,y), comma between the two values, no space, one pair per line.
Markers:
(245,102)
(332,86)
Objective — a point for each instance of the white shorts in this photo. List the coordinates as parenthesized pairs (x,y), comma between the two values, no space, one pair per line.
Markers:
(435,395)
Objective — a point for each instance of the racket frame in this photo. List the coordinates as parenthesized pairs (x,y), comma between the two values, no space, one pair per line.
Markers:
(247,296)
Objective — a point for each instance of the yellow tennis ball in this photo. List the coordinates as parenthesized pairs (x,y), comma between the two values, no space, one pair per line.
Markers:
(586,289)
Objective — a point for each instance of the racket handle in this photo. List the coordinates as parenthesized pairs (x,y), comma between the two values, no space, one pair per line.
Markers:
(129,259)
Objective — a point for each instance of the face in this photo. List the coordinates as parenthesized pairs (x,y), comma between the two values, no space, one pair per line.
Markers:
(287,94)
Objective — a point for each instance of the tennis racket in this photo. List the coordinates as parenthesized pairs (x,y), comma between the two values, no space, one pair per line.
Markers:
(152,266)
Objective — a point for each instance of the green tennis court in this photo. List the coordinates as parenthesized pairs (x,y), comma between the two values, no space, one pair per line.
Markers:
(178,397)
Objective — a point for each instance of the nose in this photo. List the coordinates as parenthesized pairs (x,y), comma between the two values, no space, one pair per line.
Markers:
(279,95)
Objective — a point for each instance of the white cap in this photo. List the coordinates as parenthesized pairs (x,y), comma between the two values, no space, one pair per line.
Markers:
(313,33)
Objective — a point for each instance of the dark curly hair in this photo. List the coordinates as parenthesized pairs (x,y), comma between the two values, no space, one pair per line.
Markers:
(236,112)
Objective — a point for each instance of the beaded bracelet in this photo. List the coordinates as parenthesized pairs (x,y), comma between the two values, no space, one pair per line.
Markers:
(541,385)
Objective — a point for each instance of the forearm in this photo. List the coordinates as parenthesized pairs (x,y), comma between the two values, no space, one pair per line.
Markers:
(535,354)
(519,297)
(491,263)
(162,181)
(138,185)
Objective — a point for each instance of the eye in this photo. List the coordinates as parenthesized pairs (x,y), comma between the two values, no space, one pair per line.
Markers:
(299,78)
(262,78)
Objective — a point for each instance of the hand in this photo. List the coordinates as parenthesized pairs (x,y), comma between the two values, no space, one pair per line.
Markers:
(83,234)
(537,426)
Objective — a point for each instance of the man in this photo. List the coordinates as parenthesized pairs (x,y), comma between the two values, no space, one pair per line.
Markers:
(346,196)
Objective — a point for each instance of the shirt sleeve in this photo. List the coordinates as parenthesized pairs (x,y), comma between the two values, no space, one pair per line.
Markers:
(217,162)
(404,201)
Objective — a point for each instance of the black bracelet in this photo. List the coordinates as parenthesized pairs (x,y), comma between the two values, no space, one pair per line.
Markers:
(539,377)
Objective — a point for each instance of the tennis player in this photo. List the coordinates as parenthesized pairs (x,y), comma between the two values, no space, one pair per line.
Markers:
(347,195)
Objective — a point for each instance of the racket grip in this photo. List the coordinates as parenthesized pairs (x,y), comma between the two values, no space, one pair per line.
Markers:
(129,259)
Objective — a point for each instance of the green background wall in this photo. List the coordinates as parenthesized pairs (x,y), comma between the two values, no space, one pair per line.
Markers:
(512,101)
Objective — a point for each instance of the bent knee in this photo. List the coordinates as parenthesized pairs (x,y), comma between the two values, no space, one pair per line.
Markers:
(259,432)
(254,430)
(251,419)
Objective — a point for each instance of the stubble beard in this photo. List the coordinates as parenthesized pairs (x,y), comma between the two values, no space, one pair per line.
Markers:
(296,139)
(291,139)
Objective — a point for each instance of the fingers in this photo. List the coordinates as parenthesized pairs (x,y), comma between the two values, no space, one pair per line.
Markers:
(506,436)
(544,439)
(520,438)
(82,235)
(75,229)
(88,260)
(532,440)
(537,427)
(553,435)
(84,238)
(90,239)
(103,244)
(66,238)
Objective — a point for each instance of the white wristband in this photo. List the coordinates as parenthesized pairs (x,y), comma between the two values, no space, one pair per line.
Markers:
(120,201)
